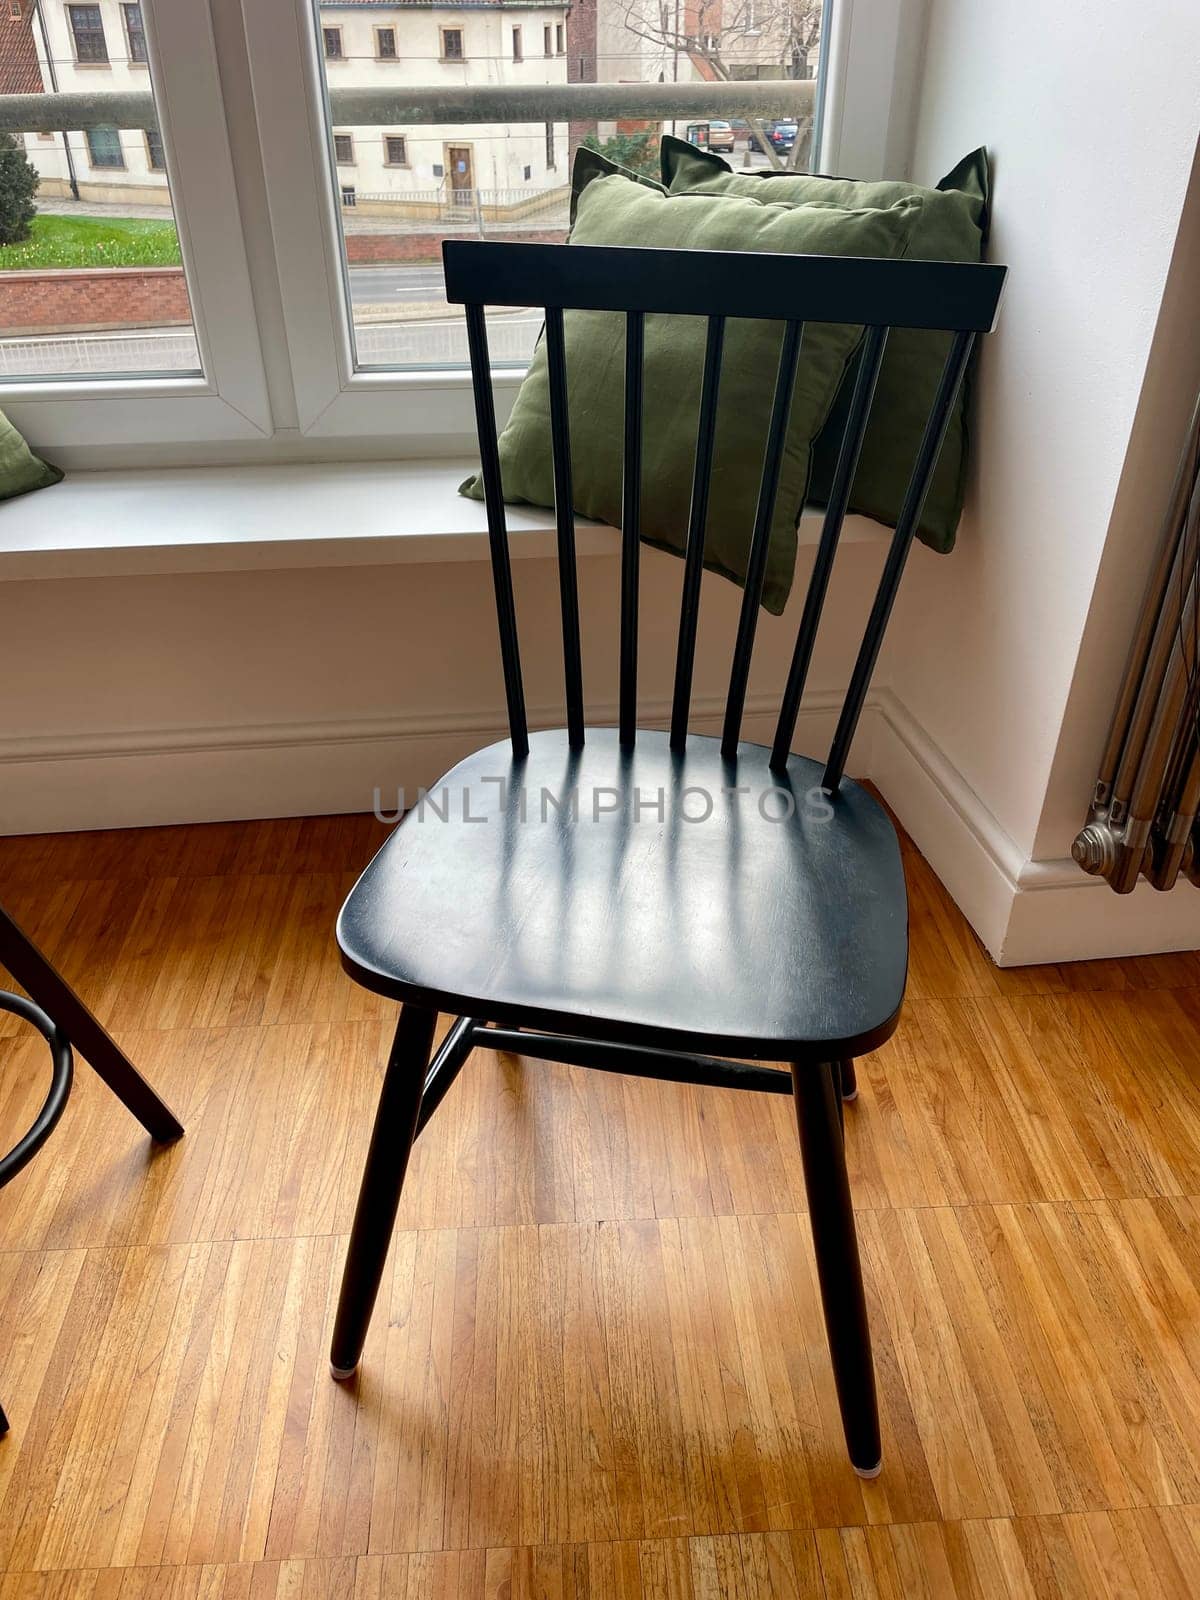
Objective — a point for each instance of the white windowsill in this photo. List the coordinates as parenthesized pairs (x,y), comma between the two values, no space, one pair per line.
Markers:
(224,519)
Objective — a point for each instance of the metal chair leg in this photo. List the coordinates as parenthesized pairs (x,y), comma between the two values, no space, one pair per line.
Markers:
(849,1080)
(831,1215)
(383,1178)
(3,1423)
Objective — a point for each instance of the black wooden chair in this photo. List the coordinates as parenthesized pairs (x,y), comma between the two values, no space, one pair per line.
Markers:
(587,922)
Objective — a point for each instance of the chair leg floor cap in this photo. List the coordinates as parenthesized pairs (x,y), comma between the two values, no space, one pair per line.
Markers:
(853,1095)
(342,1373)
(869,1472)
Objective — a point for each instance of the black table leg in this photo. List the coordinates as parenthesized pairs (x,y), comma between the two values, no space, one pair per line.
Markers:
(47,988)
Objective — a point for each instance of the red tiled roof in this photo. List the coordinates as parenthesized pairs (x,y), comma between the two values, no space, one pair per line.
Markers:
(19,70)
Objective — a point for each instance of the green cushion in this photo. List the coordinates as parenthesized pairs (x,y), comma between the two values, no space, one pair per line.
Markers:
(612,207)
(951,226)
(20,469)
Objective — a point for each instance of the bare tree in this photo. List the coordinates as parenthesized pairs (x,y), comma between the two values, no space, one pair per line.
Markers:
(733,39)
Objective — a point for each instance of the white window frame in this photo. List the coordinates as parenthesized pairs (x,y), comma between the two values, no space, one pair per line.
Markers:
(290,248)
(229,403)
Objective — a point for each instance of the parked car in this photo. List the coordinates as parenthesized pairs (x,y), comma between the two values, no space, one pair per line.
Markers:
(720,136)
(782,136)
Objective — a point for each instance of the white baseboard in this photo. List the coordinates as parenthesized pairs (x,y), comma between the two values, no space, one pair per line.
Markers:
(1025,912)
(296,769)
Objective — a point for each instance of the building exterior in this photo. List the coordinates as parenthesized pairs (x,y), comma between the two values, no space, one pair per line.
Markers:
(403,170)
(498,167)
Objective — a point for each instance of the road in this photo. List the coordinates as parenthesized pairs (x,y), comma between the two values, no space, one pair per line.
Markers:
(382,285)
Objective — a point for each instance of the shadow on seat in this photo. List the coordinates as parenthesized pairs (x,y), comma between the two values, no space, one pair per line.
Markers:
(668,899)
(650,902)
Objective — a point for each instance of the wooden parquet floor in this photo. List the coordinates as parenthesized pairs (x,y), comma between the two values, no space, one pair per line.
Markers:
(598,1368)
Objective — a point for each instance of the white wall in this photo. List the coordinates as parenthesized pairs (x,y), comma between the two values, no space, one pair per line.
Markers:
(282,693)
(1092,145)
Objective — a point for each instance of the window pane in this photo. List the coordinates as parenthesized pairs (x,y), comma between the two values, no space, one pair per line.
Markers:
(87,33)
(90,276)
(134,32)
(486,175)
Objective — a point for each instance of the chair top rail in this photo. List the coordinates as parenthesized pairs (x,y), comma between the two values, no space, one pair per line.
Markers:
(951,296)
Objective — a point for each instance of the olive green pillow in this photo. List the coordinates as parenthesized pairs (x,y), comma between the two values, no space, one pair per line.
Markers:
(20,469)
(951,226)
(615,208)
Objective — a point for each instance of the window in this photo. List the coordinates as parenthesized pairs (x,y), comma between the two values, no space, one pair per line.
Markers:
(104,147)
(516,38)
(14,10)
(447,159)
(87,34)
(135,33)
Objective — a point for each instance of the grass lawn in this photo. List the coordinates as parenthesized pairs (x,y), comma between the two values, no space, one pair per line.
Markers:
(94,242)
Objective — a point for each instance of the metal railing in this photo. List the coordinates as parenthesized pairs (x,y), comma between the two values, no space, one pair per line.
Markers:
(405,106)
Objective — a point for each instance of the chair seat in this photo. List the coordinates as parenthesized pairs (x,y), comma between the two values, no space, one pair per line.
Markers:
(658,907)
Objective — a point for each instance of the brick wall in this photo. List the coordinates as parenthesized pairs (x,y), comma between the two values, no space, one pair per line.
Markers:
(94,297)
(379,249)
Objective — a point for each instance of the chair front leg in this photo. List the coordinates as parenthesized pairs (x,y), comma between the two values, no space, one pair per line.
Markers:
(849,1079)
(382,1180)
(831,1214)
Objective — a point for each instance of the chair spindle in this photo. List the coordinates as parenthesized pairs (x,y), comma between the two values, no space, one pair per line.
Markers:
(564,514)
(631,523)
(693,567)
(910,513)
(831,532)
(489,455)
(756,567)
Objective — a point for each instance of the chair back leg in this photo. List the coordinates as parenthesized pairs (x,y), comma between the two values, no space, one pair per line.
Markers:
(818,1093)
(396,1119)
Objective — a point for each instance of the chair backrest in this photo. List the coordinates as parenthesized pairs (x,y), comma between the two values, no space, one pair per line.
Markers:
(955,298)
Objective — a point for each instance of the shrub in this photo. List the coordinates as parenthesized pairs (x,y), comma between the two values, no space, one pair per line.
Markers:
(18,185)
(637,152)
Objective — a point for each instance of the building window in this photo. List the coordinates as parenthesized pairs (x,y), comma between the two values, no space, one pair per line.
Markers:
(14,10)
(154,151)
(559,41)
(87,32)
(452,44)
(518,54)
(104,147)
(395,150)
(332,39)
(551,163)
(349,195)
(385,44)
(135,32)
(343,149)
(547,40)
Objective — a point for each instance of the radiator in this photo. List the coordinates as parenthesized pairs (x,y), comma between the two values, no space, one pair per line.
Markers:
(1142,821)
